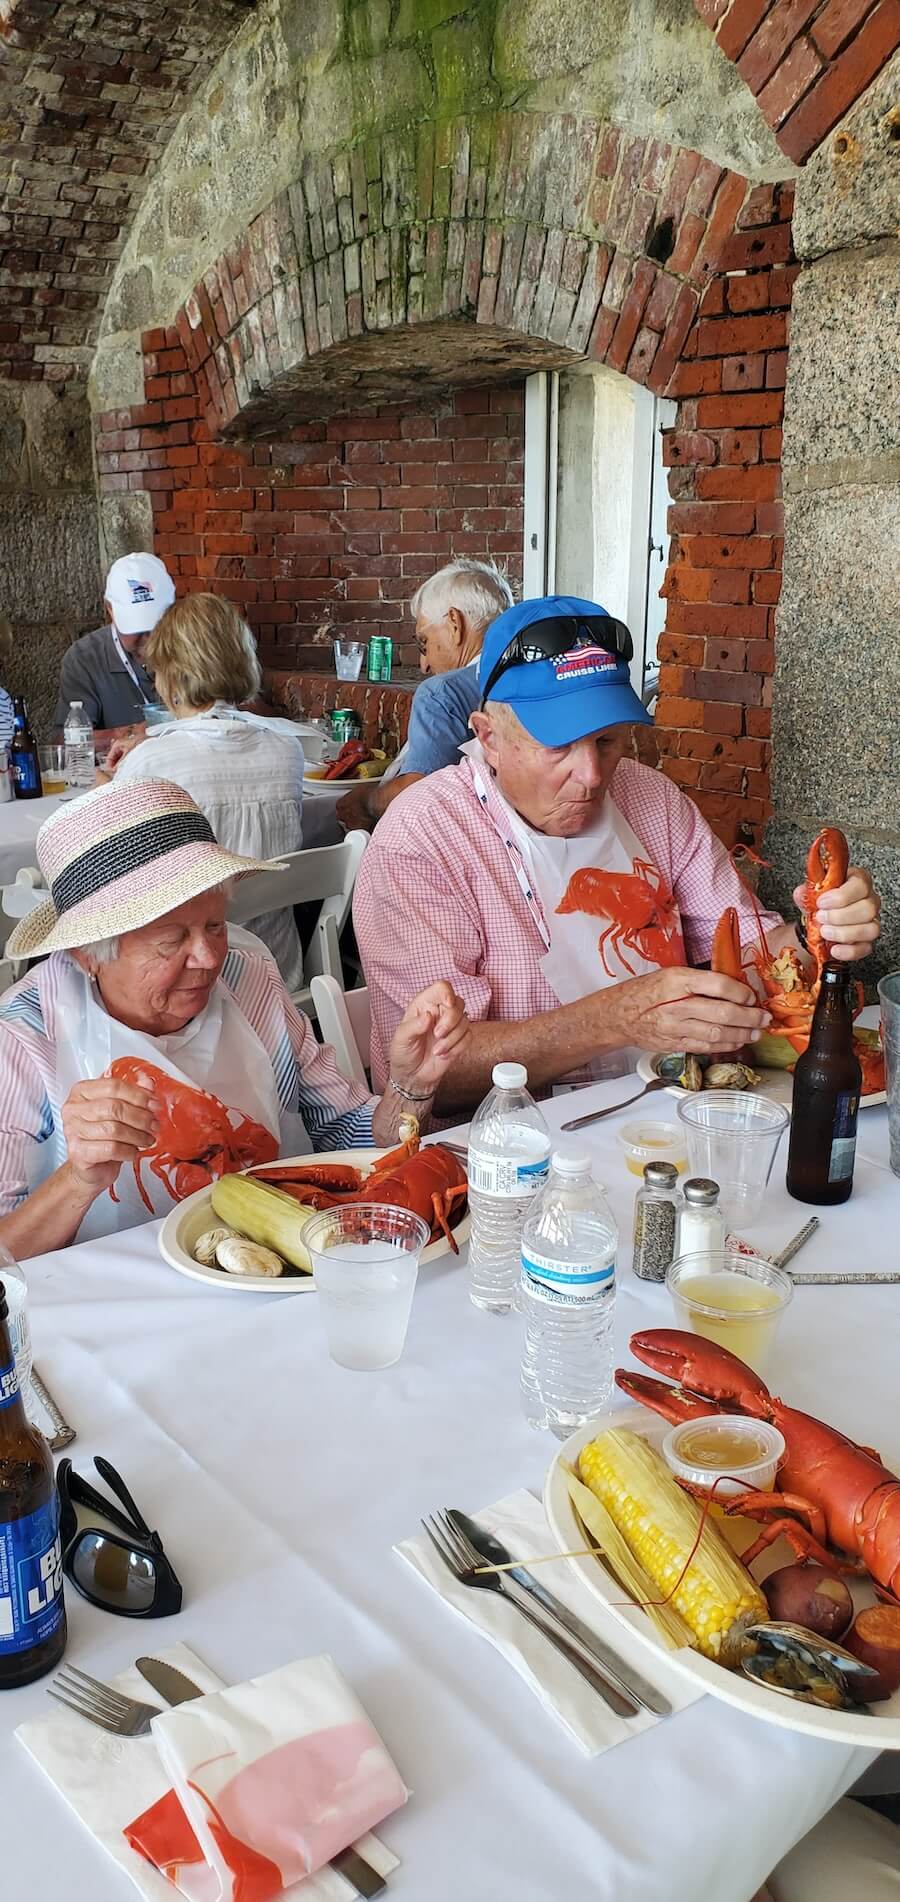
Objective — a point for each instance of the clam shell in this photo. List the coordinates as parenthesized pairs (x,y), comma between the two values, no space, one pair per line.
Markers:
(239,1257)
(207,1243)
(729,1076)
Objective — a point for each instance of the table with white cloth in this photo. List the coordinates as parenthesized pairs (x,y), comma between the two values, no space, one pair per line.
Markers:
(280,1482)
(20,823)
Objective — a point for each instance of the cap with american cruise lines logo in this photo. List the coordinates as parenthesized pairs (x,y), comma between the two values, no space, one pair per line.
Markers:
(549,660)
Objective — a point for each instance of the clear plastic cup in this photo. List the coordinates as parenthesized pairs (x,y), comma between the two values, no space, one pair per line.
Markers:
(365,1259)
(733,1138)
(645,1142)
(53,768)
(736,1300)
(348,659)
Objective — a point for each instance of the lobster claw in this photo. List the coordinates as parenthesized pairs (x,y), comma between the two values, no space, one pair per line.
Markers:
(702,1366)
(674,1405)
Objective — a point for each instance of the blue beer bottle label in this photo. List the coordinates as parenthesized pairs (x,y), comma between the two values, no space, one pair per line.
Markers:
(25,771)
(31,1575)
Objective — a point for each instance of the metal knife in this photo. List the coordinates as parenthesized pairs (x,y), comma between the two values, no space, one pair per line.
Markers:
(520,1579)
(178,1689)
(63,1434)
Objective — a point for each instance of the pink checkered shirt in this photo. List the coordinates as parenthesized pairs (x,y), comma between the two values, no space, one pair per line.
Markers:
(437,896)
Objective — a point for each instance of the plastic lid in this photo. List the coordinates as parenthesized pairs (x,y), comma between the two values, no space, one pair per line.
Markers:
(571,1162)
(73,704)
(509,1076)
(700,1191)
(660,1175)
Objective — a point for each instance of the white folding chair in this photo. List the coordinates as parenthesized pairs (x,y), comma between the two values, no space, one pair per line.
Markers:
(16,901)
(325,873)
(345,1020)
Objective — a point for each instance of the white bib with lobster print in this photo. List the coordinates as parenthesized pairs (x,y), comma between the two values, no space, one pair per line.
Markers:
(213,1082)
(608,909)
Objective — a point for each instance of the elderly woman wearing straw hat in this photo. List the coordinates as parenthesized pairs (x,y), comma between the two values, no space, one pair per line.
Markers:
(154,1030)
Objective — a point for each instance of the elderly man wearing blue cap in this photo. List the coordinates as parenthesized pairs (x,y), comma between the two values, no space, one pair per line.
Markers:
(568,893)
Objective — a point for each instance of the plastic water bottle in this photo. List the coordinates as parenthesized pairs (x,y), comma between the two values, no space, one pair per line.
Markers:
(79,747)
(568,1297)
(509,1155)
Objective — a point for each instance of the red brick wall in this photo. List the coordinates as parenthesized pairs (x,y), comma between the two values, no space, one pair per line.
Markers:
(328,529)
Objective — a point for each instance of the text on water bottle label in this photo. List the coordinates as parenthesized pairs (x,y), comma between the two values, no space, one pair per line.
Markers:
(507,1175)
(577,1281)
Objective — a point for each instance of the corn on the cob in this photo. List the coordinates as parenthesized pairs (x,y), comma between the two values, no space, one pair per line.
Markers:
(266,1215)
(618,1558)
(717,1596)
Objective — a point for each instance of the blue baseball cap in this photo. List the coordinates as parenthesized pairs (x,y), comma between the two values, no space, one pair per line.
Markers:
(570,695)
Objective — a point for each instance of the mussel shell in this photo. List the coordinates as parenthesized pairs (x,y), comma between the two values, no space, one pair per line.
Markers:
(824,1672)
(680,1067)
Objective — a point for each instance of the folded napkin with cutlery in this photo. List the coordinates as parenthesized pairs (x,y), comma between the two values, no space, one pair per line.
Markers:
(520,1522)
(274,1765)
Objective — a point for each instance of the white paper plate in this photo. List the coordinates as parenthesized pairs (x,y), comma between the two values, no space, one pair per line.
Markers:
(313,786)
(878,1731)
(778,1085)
(182,1229)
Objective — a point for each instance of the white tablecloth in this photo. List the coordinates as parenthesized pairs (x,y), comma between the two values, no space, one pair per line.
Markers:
(279,1483)
(20,823)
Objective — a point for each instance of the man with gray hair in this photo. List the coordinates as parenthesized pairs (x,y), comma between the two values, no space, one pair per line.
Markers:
(452,612)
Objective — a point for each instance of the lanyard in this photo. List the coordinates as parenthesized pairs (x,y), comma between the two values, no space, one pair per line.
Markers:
(515,857)
(127,664)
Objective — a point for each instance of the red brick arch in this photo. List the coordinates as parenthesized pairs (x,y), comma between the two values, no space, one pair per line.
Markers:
(622,250)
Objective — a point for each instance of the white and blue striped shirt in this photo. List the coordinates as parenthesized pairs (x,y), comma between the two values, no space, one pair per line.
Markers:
(336,1112)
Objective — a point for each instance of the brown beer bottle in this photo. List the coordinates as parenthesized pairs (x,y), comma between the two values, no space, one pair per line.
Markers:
(827,1083)
(23,757)
(32,1612)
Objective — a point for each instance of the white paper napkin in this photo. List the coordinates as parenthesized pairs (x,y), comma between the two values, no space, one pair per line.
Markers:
(108,1781)
(520,1522)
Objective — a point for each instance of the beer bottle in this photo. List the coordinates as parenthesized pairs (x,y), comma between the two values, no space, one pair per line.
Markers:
(827,1082)
(32,1612)
(26,767)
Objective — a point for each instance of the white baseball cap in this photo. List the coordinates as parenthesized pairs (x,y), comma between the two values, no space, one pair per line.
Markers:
(139,588)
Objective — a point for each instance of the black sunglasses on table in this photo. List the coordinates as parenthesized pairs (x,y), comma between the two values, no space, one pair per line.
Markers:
(560,634)
(128,1575)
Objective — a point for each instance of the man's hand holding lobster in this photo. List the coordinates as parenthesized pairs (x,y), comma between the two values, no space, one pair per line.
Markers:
(680,1009)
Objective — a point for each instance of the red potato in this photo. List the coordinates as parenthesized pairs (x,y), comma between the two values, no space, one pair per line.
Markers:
(875,1639)
(808,1595)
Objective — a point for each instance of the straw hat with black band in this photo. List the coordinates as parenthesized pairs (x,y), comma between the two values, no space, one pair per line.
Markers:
(120,858)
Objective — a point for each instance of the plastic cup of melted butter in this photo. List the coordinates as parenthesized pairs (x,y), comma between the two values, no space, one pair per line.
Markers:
(742,1455)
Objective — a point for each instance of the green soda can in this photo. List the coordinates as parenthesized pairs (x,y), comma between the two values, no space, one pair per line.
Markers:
(345,725)
(380,654)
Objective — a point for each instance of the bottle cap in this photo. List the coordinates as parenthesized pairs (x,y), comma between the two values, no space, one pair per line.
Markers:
(701,1192)
(660,1175)
(571,1162)
(76,705)
(509,1076)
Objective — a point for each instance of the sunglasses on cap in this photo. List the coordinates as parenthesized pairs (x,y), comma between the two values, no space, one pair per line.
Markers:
(560,634)
(127,1574)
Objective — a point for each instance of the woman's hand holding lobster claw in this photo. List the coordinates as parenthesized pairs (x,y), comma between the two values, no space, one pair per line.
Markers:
(429,1037)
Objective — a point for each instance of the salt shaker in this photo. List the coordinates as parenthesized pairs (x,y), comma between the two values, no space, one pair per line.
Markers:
(701,1224)
(656,1208)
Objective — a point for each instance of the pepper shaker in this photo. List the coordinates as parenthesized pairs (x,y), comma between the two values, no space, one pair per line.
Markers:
(656,1208)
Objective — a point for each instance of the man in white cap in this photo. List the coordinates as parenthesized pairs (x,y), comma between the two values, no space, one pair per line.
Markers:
(104,669)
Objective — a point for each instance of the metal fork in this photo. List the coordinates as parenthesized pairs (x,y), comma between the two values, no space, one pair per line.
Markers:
(461,1561)
(112,1710)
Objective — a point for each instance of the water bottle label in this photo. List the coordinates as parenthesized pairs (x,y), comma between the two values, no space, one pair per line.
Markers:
(567,1285)
(31,1579)
(507,1175)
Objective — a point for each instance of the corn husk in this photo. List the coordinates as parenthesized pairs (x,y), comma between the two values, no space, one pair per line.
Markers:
(619,1559)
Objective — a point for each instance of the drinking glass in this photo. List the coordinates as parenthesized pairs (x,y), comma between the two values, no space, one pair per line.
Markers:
(365,1258)
(736,1300)
(53,768)
(348,659)
(733,1138)
(889,998)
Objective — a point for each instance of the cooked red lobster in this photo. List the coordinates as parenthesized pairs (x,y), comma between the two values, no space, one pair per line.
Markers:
(831,1492)
(198,1137)
(351,755)
(428,1181)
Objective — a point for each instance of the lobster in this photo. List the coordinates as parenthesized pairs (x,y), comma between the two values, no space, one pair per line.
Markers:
(790,993)
(430,1182)
(640,906)
(351,755)
(198,1139)
(831,1492)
